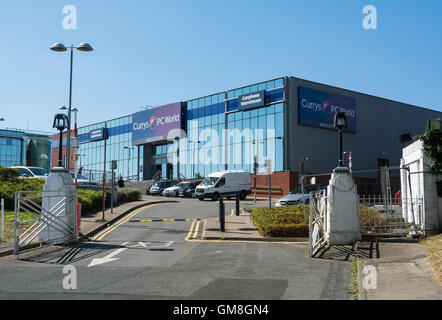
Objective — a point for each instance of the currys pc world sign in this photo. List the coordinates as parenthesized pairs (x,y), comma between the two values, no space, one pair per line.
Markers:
(318,109)
(154,125)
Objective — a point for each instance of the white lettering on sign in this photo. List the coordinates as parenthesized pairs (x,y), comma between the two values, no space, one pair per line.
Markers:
(317,107)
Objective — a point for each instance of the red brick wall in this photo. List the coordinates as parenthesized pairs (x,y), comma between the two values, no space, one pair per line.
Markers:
(282,184)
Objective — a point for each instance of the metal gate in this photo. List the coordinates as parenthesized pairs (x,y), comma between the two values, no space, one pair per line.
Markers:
(317,221)
(48,215)
(390,216)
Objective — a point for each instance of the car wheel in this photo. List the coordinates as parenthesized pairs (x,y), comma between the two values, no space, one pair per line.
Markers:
(201,199)
(215,196)
(242,195)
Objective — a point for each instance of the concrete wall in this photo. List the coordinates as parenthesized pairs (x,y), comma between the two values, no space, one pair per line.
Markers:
(380,122)
(423,185)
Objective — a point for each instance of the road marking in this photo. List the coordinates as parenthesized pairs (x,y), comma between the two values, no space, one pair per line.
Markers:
(165,220)
(108,258)
(190,231)
(196,229)
(108,230)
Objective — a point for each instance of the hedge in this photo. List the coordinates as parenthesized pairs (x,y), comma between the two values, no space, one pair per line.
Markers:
(281,221)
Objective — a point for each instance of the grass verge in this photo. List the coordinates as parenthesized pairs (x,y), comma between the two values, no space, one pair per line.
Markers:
(433,249)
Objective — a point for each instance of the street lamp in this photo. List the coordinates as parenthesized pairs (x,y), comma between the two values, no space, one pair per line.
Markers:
(193,160)
(60,123)
(128,160)
(340,124)
(59,47)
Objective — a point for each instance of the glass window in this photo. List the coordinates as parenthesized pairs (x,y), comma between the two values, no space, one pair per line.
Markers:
(279,83)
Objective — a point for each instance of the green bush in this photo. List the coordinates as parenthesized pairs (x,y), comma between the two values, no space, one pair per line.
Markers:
(9,186)
(281,221)
(8,173)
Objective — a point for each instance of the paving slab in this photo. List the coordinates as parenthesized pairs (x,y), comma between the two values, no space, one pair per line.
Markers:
(403,272)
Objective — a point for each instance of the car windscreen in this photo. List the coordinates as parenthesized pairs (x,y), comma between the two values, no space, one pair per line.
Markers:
(209,181)
(39,171)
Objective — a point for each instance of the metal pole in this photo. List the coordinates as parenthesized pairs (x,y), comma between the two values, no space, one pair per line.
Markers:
(68,145)
(221,215)
(270,191)
(104,173)
(113,190)
(237,204)
(60,150)
(341,156)
(3,218)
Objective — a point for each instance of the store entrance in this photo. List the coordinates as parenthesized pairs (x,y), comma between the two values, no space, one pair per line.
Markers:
(169,171)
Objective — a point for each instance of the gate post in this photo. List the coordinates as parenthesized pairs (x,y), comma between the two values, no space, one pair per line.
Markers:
(342,225)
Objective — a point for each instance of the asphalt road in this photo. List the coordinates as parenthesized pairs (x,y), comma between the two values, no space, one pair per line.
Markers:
(153,260)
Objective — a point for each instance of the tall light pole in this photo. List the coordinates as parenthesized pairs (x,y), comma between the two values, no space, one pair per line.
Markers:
(193,160)
(128,160)
(256,165)
(59,47)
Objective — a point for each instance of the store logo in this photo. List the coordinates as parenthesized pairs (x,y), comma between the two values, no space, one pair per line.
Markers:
(153,122)
(326,107)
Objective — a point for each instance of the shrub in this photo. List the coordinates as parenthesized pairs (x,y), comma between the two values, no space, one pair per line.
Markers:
(9,186)
(8,173)
(281,221)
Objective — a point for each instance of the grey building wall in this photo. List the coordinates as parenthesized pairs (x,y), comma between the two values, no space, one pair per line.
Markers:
(380,122)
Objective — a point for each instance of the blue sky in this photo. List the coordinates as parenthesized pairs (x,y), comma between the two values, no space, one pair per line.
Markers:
(159,52)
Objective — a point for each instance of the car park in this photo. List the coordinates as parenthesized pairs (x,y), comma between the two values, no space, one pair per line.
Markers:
(188,191)
(297,197)
(224,183)
(31,172)
(173,191)
(159,187)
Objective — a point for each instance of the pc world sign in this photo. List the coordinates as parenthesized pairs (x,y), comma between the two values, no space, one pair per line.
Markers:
(154,125)
(317,108)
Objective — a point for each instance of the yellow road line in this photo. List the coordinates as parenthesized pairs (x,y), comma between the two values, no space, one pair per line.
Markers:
(190,231)
(196,230)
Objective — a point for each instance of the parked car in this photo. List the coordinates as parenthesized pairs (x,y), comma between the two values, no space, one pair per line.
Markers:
(32,172)
(159,187)
(173,191)
(82,181)
(188,191)
(224,183)
(296,197)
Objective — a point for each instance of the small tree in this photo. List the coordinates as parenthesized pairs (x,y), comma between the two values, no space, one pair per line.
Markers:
(432,143)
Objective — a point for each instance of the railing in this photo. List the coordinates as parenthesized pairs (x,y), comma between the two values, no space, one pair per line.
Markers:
(390,216)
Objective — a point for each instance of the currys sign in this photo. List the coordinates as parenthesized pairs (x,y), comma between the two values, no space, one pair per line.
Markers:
(154,125)
(317,108)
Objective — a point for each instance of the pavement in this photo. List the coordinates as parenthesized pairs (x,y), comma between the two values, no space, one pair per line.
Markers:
(402,272)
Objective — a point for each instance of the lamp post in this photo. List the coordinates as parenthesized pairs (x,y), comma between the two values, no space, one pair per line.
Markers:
(193,160)
(128,160)
(60,123)
(255,166)
(75,110)
(59,47)
(340,124)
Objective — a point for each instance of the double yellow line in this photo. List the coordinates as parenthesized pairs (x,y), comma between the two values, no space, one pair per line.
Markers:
(193,232)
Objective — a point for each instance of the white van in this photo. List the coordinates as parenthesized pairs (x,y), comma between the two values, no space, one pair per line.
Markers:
(225,183)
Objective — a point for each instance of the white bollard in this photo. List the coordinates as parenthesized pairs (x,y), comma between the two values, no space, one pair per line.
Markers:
(342,227)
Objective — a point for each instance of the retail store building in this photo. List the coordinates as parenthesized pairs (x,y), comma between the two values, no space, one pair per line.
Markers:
(282,120)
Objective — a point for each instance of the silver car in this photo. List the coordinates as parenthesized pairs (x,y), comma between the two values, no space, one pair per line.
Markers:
(295,197)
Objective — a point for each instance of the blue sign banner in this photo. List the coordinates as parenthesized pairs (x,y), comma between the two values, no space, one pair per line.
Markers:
(318,109)
(154,125)
(252,100)
(97,135)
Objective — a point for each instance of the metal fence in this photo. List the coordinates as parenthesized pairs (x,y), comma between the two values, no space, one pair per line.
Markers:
(391,216)
(43,218)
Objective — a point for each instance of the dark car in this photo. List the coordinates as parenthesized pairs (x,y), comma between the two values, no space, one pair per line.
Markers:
(159,187)
(296,197)
(188,191)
